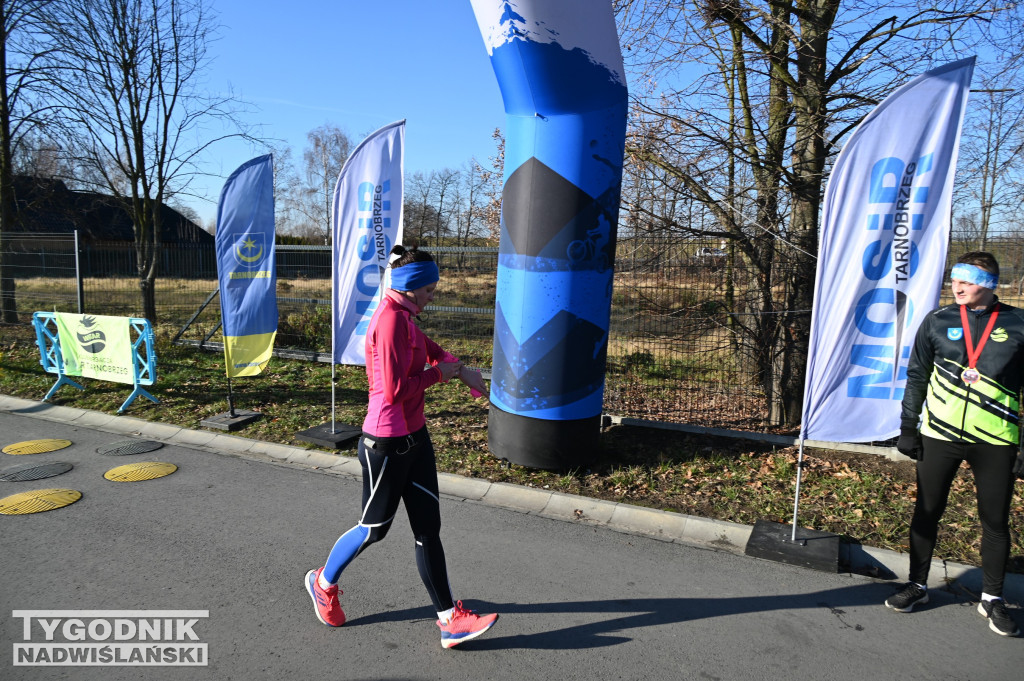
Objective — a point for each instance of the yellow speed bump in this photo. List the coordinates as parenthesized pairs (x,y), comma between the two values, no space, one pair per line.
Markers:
(38,501)
(145,470)
(36,446)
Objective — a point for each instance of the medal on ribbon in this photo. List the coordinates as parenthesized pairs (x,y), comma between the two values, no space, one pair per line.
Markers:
(970,375)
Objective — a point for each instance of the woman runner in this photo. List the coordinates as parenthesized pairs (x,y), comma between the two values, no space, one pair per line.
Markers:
(395,451)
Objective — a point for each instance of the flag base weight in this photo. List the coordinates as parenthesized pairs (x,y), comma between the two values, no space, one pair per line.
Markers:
(812,549)
(226,421)
(330,438)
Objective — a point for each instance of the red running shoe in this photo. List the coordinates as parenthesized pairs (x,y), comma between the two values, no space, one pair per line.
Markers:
(325,601)
(464,625)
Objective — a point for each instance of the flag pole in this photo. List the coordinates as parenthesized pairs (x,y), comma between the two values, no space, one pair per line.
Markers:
(231,400)
(799,472)
(335,236)
(334,312)
(334,368)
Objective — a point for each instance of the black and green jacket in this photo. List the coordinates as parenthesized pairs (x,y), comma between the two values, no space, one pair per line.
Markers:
(987,411)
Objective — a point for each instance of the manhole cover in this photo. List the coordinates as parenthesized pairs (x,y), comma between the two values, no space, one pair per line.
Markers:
(133,472)
(34,471)
(125,447)
(38,501)
(36,446)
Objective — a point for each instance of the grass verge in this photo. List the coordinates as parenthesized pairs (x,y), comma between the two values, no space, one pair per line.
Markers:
(864,498)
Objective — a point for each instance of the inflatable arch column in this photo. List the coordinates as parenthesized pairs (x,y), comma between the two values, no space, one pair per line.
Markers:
(559,68)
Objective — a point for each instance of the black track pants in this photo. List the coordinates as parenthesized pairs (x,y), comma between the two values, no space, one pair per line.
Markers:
(992,466)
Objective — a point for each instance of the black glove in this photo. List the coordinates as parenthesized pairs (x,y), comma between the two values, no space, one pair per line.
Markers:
(1018,465)
(909,443)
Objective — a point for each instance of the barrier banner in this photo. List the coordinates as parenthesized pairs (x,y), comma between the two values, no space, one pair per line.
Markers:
(246,267)
(96,346)
(882,255)
(366,223)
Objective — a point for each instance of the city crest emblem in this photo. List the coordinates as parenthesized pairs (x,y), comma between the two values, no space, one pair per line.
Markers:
(249,249)
(954,334)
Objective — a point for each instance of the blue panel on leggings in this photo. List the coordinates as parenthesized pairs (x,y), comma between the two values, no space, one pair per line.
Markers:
(345,549)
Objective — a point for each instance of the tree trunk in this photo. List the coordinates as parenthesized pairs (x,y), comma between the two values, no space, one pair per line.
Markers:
(808,167)
(767,168)
(148,289)
(8,207)
(147,230)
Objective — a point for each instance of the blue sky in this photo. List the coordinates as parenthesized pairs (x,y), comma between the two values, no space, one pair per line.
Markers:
(359,66)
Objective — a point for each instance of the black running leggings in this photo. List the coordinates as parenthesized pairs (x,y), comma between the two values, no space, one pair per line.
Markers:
(398,469)
(992,466)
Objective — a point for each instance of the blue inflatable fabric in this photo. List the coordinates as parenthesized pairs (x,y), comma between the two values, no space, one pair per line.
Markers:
(559,68)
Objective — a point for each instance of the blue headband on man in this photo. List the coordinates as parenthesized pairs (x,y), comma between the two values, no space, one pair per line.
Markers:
(974,275)
(414,275)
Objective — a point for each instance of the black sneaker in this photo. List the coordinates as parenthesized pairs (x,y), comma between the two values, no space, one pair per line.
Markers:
(999,619)
(906,598)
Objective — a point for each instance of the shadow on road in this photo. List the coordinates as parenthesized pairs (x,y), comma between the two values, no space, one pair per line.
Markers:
(628,613)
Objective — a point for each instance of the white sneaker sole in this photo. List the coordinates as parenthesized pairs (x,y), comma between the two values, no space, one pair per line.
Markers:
(316,609)
(992,625)
(309,590)
(452,642)
(910,607)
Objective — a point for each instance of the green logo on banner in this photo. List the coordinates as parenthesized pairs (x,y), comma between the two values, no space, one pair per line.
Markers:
(90,336)
(96,346)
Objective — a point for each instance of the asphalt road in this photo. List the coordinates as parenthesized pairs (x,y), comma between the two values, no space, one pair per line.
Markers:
(234,536)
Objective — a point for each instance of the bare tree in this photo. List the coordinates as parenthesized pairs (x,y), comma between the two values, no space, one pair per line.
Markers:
(492,181)
(35,155)
(419,211)
(470,221)
(780,85)
(1011,254)
(135,108)
(286,189)
(328,147)
(24,46)
(446,184)
(992,148)
(965,232)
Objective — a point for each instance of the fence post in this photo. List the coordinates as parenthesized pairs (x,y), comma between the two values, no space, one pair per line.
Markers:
(78,276)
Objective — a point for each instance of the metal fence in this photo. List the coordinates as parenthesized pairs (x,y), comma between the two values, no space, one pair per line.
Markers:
(681,348)
(673,354)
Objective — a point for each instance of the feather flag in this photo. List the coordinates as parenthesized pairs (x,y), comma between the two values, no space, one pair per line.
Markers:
(246,267)
(367,223)
(885,226)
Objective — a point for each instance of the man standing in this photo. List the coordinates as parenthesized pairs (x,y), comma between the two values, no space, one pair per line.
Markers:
(966,371)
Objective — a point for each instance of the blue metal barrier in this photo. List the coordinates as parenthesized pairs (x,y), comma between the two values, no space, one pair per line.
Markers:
(143,355)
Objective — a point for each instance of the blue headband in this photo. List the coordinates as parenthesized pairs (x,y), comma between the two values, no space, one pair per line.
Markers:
(414,275)
(974,275)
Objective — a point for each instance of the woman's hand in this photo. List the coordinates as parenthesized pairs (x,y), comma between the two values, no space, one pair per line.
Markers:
(473,379)
(449,370)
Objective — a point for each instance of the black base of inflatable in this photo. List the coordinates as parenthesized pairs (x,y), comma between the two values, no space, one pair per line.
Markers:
(549,445)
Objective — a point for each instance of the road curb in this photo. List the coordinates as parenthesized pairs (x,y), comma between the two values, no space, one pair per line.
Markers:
(663,525)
